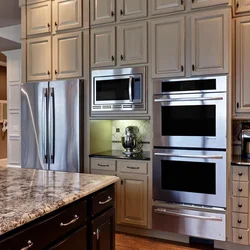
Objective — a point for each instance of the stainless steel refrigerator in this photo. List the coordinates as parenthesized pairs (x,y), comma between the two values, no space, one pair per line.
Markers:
(52,125)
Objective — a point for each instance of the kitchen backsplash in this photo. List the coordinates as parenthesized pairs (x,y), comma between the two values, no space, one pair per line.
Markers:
(118,130)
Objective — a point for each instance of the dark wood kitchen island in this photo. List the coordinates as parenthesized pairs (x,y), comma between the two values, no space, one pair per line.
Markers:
(56,210)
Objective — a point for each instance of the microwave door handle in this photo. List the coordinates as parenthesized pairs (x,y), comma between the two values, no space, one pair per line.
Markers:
(190,156)
(130,89)
(188,99)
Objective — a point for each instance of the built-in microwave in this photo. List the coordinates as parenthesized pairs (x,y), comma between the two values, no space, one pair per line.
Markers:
(116,90)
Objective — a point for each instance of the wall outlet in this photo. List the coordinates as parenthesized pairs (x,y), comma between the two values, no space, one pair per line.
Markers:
(117,130)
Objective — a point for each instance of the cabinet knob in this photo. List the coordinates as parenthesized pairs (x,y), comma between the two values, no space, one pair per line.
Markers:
(182,68)
(55,23)
(122,57)
(240,189)
(193,67)
(121,181)
(237,5)
(240,237)
(239,221)
(182,2)
(48,72)
(240,173)
(237,105)
(112,13)
(121,12)
(30,244)
(55,72)
(48,25)
(239,205)
(192,1)
(113,58)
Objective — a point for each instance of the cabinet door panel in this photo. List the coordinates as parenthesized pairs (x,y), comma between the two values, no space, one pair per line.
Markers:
(132,42)
(168,47)
(103,47)
(165,6)
(210,38)
(129,9)
(242,64)
(39,18)
(242,6)
(68,55)
(134,200)
(102,11)
(39,59)
(207,3)
(67,14)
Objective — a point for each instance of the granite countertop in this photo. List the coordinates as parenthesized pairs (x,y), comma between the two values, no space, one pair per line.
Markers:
(240,160)
(27,194)
(118,154)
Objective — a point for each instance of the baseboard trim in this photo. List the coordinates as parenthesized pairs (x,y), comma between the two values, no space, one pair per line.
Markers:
(13,166)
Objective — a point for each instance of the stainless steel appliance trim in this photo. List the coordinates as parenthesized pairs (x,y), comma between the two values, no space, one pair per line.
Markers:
(191,156)
(45,127)
(164,211)
(188,99)
(130,89)
(52,140)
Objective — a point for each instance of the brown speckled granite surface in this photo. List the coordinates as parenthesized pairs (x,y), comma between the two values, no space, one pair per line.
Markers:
(27,194)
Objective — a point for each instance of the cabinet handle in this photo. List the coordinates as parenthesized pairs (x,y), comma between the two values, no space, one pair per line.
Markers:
(182,68)
(239,221)
(240,205)
(105,202)
(182,2)
(192,1)
(237,105)
(97,234)
(240,237)
(237,5)
(69,223)
(240,189)
(121,181)
(121,12)
(133,167)
(48,25)
(112,13)
(48,72)
(122,57)
(193,67)
(56,72)
(101,165)
(240,173)
(30,244)
(55,23)
(113,58)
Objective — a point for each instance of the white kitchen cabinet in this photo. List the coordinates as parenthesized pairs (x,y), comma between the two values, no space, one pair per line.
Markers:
(166,6)
(242,6)
(103,47)
(130,9)
(168,47)
(39,18)
(133,199)
(132,43)
(102,11)
(67,55)
(35,1)
(39,59)
(210,42)
(242,64)
(207,3)
(67,14)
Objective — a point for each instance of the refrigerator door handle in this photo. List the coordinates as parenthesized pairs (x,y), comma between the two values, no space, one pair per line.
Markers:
(52,125)
(45,95)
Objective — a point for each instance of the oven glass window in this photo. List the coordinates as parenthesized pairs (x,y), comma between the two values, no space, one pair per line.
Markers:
(195,177)
(112,90)
(197,120)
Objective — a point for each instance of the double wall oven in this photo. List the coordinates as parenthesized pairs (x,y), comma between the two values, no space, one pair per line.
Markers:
(190,139)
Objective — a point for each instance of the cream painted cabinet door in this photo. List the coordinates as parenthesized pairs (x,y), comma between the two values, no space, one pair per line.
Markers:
(207,3)
(242,64)
(242,6)
(102,11)
(168,47)
(39,59)
(34,1)
(129,9)
(165,6)
(103,47)
(67,14)
(210,42)
(39,18)
(133,198)
(67,55)
(132,43)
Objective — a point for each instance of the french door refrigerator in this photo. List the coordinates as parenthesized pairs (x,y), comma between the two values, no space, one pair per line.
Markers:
(52,125)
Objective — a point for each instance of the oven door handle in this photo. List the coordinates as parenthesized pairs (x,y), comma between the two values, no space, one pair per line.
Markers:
(190,156)
(164,211)
(130,89)
(188,99)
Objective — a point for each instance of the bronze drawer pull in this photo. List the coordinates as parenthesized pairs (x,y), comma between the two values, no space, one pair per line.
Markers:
(240,173)
(105,202)
(101,165)
(240,205)
(30,244)
(71,222)
(240,237)
(240,189)
(239,221)
(133,167)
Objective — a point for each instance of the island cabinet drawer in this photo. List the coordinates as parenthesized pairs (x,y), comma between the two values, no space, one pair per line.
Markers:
(103,164)
(240,173)
(240,189)
(240,205)
(103,200)
(240,236)
(47,231)
(132,167)
(240,220)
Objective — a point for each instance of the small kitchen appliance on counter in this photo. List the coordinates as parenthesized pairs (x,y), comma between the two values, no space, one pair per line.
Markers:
(129,141)
(245,135)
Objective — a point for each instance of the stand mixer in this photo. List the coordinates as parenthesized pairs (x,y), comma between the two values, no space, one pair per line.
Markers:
(129,141)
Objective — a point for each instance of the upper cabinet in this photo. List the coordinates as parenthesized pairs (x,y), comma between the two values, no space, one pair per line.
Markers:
(207,3)
(34,1)
(102,11)
(242,64)
(39,18)
(210,42)
(242,6)
(67,14)
(165,6)
(129,9)
(168,47)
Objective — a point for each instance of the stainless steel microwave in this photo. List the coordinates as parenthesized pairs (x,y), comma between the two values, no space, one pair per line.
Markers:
(119,90)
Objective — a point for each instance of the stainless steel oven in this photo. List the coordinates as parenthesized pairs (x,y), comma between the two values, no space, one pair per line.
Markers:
(190,177)
(120,90)
(190,112)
